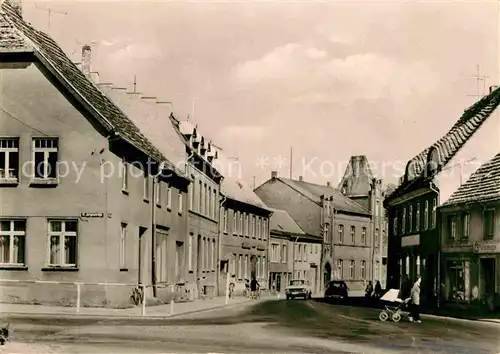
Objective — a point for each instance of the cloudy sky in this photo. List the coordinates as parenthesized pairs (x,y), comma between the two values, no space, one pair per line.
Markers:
(332,79)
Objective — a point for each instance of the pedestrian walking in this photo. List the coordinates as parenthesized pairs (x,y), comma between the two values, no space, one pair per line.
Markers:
(415,301)
(369,290)
(254,285)
(378,290)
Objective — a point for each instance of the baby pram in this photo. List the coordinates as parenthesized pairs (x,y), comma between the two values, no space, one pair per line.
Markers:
(393,312)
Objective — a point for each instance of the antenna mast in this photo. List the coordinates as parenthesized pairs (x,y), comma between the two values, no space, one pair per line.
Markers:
(480,84)
(50,11)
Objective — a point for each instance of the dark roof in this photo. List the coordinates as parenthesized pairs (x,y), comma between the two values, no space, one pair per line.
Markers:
(282,222)
(16,36)
(482,186)
(357,178)
(450,143)
(315,191)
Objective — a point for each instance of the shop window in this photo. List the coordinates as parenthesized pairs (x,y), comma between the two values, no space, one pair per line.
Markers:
(458,280)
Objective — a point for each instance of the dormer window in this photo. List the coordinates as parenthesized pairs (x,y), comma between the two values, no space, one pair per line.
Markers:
(202,147)
(432,162)
(411,171)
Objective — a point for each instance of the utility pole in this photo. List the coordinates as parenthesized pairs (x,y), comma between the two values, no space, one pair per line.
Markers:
(50,11)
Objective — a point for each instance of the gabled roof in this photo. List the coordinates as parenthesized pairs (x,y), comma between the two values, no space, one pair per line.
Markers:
(315,191)
(233,186)
(448,146)
(357,178)
(282,222)
(18,36)
(482,186)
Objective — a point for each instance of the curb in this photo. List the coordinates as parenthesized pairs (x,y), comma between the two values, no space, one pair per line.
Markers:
(118,316)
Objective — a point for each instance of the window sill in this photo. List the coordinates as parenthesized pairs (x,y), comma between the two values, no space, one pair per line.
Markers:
(44,182)
(9,182)
(123,269)
(13,267)
(59,269)
(126,192)
(158,205)
(225,232)
(145,200)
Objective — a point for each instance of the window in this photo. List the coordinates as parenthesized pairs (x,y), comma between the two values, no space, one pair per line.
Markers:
(410,218)
(433,221)
(146,186)
(258,229)
(377,269)
(403,222)
(191,196)
(190,252)
(204,199)
(363,236)
(214,255)
(341,233)
(353,235)
(426,215)
(363,270)
(12,241)
(340,268)
(395,225)
(179,202)
(452,227)
(123,246)
(224,222)
(298,249)
(352,269)
(264,268)
(253,226)
(458,273)
(241,223)
(246,266)
(63,241)
(377,238)
(417,218)
(45,152)
(9,159)
(465,225)
(489,224)
(275,253)
(240,267)
(284,254)
(157,192)
(233,265)
(235,222)
(257,267)
(214,208)
(246,224)
(264,229)
(124,169)
(169,197)
(210,203)
(200,197)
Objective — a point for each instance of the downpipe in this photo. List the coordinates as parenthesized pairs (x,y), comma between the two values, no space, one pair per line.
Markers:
(219,247)
(438,278)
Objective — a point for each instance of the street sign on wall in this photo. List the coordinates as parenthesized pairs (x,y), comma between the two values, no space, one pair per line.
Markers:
(486,247)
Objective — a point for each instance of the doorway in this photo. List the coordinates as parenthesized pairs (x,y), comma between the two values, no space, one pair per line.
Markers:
(327,276)
(488,276)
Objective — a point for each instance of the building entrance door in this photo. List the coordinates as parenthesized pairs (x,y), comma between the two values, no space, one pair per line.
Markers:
(327,274)
(488,276)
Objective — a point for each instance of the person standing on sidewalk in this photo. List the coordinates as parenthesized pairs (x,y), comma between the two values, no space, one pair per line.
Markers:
(415,301)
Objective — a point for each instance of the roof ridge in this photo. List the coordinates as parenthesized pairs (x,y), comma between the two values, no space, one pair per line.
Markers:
(284,180)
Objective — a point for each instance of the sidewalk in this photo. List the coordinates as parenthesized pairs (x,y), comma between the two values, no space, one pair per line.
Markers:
(160,311)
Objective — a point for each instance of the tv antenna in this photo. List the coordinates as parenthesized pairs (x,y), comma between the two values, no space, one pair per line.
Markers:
(50,11)
(480,84)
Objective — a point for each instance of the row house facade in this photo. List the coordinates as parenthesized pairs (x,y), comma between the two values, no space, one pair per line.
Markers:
(429,180)
(360,185)
(340,225)
(83,190)
(244,230)
(203,208)
(470,239)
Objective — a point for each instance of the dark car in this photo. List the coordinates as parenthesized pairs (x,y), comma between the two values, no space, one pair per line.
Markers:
(336,289)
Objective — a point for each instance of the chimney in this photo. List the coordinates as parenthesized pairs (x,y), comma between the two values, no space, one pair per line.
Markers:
(301,179)
(17,5)
(274,174)
(328,184)
(86,60)
(493,88)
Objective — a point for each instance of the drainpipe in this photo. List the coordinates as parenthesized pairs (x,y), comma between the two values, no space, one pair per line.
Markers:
(293,264)
(153,236)
(438,250)
(219,246)
(373,224)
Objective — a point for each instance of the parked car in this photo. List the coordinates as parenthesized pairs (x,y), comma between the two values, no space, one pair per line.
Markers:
(298,288)
(336,289)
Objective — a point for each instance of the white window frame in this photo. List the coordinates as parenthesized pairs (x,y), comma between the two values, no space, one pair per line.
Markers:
(157,187)
(258,229)
(341,233)
(417,218)
(352,233)
(241,224)
(426,215)
(264,229)
(340,268)
(352,269)
(434,206)
(252,232)
(191,195)
(246,267)
(214,255)
(180,202)
(363,235)
(63,234)
(284,254)
(208,201)
(363,270)
(224,223)
(240,266)
(410,218)
(214,208)
(190,252)
(7,151)
(235,222)
(123,245)
(46,151)
(11,234)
